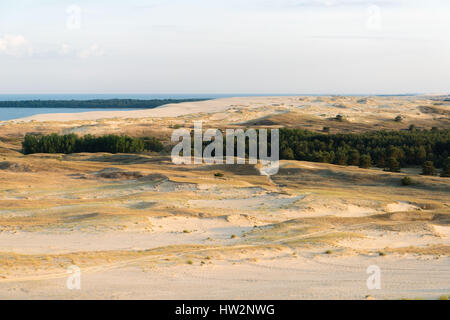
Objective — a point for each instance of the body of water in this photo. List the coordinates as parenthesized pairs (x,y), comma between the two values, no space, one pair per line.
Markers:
(144,96)
(17,113)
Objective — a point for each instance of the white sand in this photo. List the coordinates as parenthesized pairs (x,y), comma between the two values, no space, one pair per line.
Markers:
(304,277)
(169,110)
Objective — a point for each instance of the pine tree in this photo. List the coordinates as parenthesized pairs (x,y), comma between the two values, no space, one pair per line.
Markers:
(428,169)
(446,168)
(393,165)
(287,154)
(354,158)
(366,161)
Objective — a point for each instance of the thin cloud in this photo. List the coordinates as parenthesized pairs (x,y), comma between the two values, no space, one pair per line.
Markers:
(15,45)
(93,51)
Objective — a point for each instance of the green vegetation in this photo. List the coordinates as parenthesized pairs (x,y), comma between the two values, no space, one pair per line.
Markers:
(407,181)
(366,161)
(97,103)
(390,150)
(398,119)
(71,143)
(428,169)
(446,168)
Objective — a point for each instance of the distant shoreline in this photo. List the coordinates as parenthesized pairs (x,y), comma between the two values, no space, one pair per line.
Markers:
(182,96)
(94,103)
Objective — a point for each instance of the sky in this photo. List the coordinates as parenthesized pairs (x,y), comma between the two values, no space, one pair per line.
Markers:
(225,46)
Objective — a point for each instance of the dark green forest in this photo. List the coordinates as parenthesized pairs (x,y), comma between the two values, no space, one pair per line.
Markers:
(391,150)
(98,103)
(71,143)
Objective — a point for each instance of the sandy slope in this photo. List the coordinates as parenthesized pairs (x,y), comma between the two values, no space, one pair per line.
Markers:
(192,235)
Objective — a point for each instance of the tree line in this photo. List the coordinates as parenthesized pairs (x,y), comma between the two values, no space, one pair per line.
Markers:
(72,143)
(390,150)
(96,103)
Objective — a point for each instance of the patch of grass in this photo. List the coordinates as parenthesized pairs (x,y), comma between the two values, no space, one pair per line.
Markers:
(190,262)
(443,297)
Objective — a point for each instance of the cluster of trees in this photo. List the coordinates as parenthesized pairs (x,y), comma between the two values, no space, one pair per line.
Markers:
(97,103)
(71,143)
(391,150)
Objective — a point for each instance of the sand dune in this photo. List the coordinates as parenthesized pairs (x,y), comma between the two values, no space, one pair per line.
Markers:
(139,226)
(169,110)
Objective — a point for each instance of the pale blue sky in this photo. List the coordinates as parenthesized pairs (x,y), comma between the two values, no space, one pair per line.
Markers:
(228,46)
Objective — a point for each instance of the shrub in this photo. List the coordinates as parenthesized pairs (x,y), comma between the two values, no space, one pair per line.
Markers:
(407,181)
(398,119)
(218,174)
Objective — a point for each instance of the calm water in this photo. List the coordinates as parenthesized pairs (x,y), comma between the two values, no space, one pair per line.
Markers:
(16,113)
